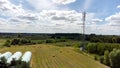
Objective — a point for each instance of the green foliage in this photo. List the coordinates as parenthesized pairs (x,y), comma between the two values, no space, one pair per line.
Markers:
(60,40)
(7,43)
(115,58)
(114,40)
(50,41)
(25,41)
(106,58)
(3,63)
(14,64)
(103,38)
(95,57)
(100,48)
(40,41)
(95,39)
(19,64)
(18,41)
(101,59)
(68,43)
(19,35)
(15,41)
(68,36)
(55,40)
(91,48)
(3,60)
(76,45)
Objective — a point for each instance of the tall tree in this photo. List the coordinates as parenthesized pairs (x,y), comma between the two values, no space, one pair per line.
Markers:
(106,58)
(115,58)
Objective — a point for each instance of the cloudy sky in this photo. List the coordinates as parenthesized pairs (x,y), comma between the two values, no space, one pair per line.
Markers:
(60,16)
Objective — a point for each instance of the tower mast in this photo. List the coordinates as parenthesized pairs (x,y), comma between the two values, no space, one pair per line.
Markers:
(83,39)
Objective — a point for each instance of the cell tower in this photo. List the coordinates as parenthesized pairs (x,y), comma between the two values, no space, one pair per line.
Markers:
(83,39)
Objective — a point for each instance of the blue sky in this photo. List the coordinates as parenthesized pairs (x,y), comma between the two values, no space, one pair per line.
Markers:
(60,16)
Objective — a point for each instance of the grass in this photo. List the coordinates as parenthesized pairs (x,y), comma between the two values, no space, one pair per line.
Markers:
(67,43)
(49,56)
(2,42)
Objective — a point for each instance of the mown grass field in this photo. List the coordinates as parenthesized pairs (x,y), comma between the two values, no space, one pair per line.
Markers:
(49,56)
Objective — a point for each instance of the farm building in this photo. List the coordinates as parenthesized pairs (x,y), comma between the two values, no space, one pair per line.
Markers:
(6,55)
(18,55)
(27,56)
(15,56)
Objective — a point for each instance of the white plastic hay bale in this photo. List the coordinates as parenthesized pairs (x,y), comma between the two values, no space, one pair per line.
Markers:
(27,56)
(6,55)
(15,56)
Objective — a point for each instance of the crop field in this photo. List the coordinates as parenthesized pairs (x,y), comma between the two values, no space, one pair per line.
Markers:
(49,56)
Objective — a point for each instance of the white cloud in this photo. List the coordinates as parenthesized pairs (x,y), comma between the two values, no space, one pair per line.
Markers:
(52,20)
(70,16)
(114,20)
(9,10)
(96,20)
(63,1)
(3,22)
(118,6)
(61,16)
(42,4)
(28,16)
(47,20)
(111,27)
(48,4)
(108,30)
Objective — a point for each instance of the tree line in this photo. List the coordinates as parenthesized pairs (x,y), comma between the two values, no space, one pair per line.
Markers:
(72,36)
(100,48)
(18,41)
(106,53)
(25,41)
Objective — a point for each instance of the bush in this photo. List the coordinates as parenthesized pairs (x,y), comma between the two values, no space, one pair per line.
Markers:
(100,48)
(106,58)
(60,40)
(40,41)
(91,48)
(7,43)
(95,57)
(3,63)
(101,59)
(115,58)
(18,41)
(50,41)
(15,41)
(25,41)
(19,64)
(14,64)
(76,45)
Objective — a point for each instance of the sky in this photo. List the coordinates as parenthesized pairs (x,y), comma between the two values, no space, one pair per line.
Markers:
(60,16)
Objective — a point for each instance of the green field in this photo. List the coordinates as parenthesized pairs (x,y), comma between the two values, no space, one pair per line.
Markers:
(49,56)
(2,42)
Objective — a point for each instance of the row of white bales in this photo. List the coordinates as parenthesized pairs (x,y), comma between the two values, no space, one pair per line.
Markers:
(9,57)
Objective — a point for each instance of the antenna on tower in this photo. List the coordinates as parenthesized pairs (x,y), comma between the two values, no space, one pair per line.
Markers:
(83,34)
